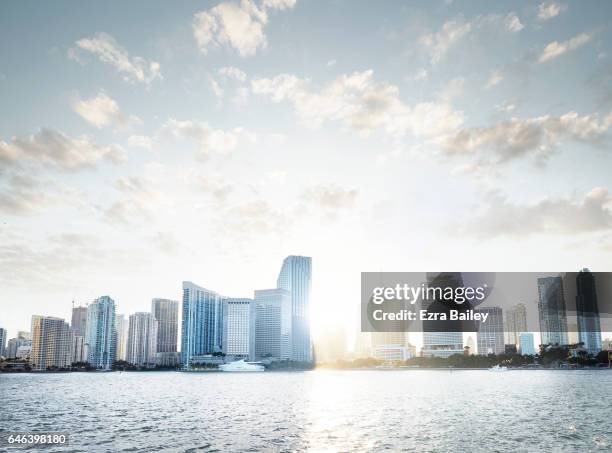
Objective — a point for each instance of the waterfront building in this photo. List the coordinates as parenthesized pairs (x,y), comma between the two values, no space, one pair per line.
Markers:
(606,345)
(391,353)
(296,277)
(515,321)
(121,329)
(79,320)
(526,343)
(51,343)
(168,359)
(551,308)
(24,352)
(142,340)
(587,312)
(490,334)
(100,333)
(236,326)
(271,325)
(3,339)
(201,331)
(79,349)
(166,312)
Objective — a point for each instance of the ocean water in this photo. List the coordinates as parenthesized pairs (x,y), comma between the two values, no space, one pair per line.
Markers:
(407,410)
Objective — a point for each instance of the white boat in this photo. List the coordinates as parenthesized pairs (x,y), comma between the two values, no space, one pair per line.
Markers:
(241,365)
(498,368)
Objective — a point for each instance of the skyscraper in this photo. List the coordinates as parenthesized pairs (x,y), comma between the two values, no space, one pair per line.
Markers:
(271,325)
(551,308)
(490,335)
(587,311)
(51,343)
(142,340)
(79,349)
(79,320)
(121,329)
(24,339)
(296,277)
(201,325)
(165,313)
(236,326)
(526,343)
(100,333)
(3,335)
(515,322)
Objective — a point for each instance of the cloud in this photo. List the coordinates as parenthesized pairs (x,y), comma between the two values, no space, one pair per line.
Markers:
(137,198)
(141,141)
(330,196)
(571,215)
(232,72)
(438,44)
(548,10)
(56,149)
(102,111)
(360,103)
(537,137)
(208,140)
(494,79)
(109,51)
(451,90)
(239,25)
(215,87)
(556,49)
(22,194)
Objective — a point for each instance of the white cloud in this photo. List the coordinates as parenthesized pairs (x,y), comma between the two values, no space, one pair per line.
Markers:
(102,111)
(136,203)
(140,141)
(109,51)
(513,23)
(494,79)
(215,87)
(22,194)
(548,10)
(330,196)
(239,25)
(569,215)
(232,72)
(209,140)
(452,90)
(438,44)
(556,49)
(361,103)
(420,74)
(536,137)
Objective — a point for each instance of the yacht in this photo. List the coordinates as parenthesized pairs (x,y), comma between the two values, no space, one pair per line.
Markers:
(241,365)
(498,368)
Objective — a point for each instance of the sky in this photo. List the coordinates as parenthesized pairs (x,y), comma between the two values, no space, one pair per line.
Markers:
(147,143)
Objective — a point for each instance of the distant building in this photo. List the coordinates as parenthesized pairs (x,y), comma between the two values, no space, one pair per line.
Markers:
(271,325)
(552,311)
(526,344)
(515,321)
(471,345)
(101,335)
(510,349)
(121,329)
(201,331)
(606,345)
(51,343)
(23,352)
(168,359)
(490,335)
(23,339)
(296,277)
(391,353)
(587,311)
(166,312)
(3,338)
(236,326)
(142,340)
(79,320)
(79,349)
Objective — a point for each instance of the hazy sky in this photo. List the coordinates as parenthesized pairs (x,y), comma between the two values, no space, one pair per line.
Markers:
(147,143)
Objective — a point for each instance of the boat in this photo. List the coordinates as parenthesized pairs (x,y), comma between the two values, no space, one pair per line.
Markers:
(242,366)
(498,368)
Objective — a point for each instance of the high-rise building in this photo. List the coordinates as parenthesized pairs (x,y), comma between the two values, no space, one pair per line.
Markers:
(142,340)
(165,313)
(236,326)
(551,308)
(121,329)
(515,322)
(51,343)
(3,338)
(490,335)
(100,333)
(296,277)
(526,343)
(271,325)
(201,331)
(79,349)
(24,339)
(587,312)
(79,320)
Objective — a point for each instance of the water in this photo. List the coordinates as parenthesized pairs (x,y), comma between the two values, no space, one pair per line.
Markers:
(416,410)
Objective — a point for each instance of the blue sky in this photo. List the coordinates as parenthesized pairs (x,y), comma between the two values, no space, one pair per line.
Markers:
(146,143)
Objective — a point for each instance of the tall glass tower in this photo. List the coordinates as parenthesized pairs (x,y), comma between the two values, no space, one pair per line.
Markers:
(551,307)
(587,310)
(100,333)
(296,277)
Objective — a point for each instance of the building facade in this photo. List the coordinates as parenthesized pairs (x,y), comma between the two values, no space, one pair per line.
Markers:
(121,333)
(296,277)
(552,311)
(587,312)
(271,325)
(79,349)
(236,326)
(142,340)
(490,335)
(51,343)
(3,340)
(526,344)
(100,333)
(79,320)
(166,312)
(515,322)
